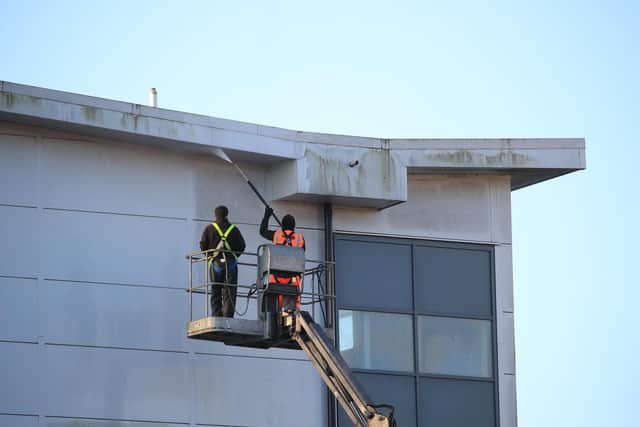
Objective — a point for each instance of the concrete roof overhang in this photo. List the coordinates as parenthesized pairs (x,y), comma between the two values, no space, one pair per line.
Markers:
(311,166)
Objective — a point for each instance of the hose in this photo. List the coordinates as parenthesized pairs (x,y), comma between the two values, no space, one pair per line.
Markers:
(252,291)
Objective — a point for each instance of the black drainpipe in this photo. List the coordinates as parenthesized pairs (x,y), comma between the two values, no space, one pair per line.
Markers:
(330,305)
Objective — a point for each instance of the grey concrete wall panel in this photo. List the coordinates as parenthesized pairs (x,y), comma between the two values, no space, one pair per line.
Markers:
(379,179)
(440,207)
(504,278)
(258,392)
(507,396)
(20,370)
(280,182)
(20,241)
(117,384)
(377,273)
(18,165)
(215,182)
(114,248)
(456,403)
(442,287)
(500,205)
(19,309)
(18,420)
(75,422)
(399,391)
(115,316)
(505,334)
(114,177)
(506,344)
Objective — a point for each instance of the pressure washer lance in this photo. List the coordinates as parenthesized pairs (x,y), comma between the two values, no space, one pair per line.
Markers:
(221,154)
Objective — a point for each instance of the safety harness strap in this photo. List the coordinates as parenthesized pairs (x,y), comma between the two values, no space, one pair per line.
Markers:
(223,240)
(292,238)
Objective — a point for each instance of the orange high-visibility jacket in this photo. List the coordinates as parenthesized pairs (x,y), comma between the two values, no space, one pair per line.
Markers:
(287,238)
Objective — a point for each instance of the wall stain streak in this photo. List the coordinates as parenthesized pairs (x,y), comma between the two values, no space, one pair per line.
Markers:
(377,174)
(91,114)
(467,157)
(134,122)
(11,100)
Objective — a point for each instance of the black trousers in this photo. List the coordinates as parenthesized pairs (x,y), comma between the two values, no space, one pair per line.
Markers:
(223,298)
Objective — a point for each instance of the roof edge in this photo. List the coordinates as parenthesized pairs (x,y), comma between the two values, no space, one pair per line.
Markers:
(527,160)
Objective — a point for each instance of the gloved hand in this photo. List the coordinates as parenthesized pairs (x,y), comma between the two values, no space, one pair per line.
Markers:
(268,212)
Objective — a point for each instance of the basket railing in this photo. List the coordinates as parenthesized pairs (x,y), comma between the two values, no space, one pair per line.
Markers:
(312,290)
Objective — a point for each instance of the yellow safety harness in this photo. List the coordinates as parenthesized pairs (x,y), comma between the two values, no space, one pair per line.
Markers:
(223,240)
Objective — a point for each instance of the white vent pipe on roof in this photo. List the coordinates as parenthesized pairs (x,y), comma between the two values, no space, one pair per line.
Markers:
(153,97)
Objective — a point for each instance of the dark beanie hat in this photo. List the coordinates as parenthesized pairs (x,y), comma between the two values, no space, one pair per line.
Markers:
(221,212)
(288,222)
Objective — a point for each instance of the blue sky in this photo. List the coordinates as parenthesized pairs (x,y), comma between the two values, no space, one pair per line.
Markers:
(416,69)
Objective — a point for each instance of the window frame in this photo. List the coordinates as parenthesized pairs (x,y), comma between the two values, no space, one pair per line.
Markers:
(365,370)
(417,375)
(424,316)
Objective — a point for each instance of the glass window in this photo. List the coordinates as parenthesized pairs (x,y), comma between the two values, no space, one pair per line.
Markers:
(384,287)
(456,403)
(374,275)
(380,341)
(451,346)
(453,281)
(396,390)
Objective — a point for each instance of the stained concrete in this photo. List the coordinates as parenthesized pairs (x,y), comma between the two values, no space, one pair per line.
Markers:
(304,166)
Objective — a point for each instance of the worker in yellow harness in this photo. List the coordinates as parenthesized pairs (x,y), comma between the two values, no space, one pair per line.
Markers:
(226,243)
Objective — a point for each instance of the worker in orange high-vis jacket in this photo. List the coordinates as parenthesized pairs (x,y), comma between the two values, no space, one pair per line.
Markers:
(286,236)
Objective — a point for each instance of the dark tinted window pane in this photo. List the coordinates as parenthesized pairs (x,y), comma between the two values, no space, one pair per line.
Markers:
(396,390)
(456,403)
(380,341)
(453,281)
(373,275)
(451,346)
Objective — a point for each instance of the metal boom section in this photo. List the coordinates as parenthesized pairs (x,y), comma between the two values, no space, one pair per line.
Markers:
(336,374)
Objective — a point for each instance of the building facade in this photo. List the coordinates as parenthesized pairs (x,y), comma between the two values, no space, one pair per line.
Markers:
(101,200)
